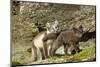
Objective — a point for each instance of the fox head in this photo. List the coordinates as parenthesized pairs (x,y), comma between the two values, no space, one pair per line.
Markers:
(52,27)
(78,31)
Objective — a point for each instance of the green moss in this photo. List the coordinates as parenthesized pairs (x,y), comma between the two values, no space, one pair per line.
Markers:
(87,54)
(15,63)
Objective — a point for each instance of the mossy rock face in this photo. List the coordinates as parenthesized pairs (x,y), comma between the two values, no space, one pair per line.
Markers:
(68,16)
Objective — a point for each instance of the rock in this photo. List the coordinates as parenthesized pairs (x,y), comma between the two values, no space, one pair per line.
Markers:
(60,50)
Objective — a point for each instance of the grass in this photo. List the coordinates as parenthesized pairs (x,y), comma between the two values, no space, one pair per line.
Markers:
(88,54)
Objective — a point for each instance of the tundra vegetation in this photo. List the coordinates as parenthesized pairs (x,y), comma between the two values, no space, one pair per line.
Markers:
(30,18)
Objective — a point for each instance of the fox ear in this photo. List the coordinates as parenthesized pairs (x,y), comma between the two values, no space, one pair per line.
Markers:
(80,27)
(74,29)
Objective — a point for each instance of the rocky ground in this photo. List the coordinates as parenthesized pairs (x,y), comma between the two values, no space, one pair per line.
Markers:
(87,54)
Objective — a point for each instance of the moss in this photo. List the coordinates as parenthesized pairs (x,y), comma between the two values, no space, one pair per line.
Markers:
(87,54)
(15,63)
